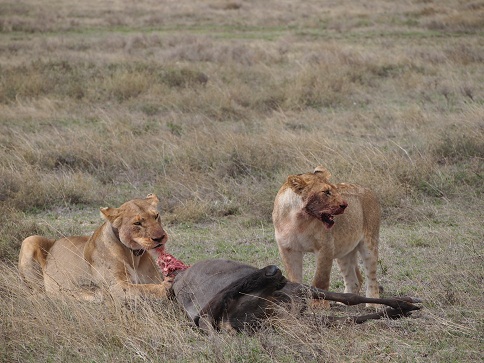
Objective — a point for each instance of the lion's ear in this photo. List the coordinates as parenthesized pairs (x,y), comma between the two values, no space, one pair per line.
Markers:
(109,214)
(321,170)
(296,182)
(153,199)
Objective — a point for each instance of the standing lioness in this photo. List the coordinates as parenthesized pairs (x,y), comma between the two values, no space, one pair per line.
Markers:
(308,217)
(113,259)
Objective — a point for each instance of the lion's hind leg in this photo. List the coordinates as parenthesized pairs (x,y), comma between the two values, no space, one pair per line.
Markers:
(369,254)
(348,266)
(32,260)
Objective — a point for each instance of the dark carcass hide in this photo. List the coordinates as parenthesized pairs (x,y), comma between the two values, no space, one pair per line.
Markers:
(231,295)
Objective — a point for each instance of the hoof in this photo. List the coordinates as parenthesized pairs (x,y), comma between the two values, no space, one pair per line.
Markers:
(271,270)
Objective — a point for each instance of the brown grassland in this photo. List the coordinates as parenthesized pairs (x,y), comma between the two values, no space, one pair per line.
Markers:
(211,104)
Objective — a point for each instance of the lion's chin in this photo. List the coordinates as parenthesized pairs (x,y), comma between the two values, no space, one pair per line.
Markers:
(328,220)
(154,247)
(148,246)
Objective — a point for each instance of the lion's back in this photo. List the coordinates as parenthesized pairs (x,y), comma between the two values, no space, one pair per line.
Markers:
(66,265)
(361,219)
(365,202)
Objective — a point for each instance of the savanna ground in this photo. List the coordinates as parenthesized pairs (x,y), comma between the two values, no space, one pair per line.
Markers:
(210,105)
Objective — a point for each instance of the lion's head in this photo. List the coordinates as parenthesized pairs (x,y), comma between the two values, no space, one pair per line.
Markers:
(321,199)
(137,223)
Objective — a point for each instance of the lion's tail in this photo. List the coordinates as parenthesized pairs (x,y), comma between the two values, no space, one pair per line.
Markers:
(32,260)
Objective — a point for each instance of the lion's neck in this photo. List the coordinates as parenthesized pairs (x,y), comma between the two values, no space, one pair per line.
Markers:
(106,234)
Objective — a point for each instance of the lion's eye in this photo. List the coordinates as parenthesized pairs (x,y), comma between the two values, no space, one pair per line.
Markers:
(157,216)
(327,192)
(137,223)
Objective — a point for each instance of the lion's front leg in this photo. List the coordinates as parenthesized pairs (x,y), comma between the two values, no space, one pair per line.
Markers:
(292,261)
(324,263)
(151,291)
(126,283)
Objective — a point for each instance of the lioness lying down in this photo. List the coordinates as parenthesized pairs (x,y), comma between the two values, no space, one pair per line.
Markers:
(113,259)
(223,294)
(335,221)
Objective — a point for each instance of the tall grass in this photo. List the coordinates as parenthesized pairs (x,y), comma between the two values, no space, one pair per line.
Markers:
(211,105)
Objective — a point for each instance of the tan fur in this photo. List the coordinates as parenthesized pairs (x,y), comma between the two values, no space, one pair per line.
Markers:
(113,259)
(356,230)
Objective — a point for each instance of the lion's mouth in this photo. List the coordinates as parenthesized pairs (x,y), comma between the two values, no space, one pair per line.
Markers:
(327,219)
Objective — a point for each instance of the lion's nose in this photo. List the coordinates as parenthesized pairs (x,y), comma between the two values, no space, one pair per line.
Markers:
(343,205)
(158,239)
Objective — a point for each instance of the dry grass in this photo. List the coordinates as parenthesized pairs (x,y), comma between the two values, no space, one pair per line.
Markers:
(211,104)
